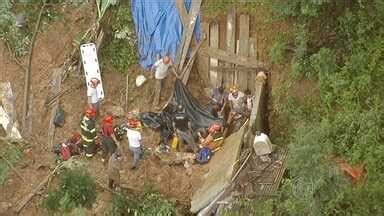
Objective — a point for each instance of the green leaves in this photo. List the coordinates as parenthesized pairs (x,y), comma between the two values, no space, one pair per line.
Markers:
(76,189)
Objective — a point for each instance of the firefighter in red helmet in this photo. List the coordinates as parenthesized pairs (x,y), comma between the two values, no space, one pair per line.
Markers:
(88,132)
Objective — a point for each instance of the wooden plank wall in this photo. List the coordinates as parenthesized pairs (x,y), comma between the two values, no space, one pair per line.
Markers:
(237,46)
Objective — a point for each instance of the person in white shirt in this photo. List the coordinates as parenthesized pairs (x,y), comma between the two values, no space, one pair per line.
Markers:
(134,141)
(160,67)
(236,103)
(92,94)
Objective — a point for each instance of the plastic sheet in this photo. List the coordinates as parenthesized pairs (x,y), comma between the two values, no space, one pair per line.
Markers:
(159,28)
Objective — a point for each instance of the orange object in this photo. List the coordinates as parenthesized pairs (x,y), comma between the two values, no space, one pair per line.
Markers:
(234,89)
(166,59)
(108,119)
(134,123)
(356,173)
(90,112)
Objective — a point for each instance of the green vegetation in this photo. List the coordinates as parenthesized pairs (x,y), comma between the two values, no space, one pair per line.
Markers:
(10,154)
(149,203)
(76,189)
(121,50)
(337,47)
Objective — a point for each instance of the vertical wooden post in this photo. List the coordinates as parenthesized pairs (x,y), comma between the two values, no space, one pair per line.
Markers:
(203,61)
(231,45)
(243,48)
(252,74)
(214,43)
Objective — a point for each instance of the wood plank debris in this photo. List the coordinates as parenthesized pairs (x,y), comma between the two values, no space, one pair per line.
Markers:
(182,12)
(55,89)
(187,34)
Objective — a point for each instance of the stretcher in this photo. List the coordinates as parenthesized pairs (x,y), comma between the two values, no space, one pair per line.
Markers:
(91,66)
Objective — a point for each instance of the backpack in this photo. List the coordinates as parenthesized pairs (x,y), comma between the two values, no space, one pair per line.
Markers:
(204,155)
(59,117)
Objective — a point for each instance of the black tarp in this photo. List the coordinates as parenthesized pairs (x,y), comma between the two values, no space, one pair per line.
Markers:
(198,115)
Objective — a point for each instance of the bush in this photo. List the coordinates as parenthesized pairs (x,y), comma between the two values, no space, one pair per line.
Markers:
(76,189)
(121,50)
(150,203)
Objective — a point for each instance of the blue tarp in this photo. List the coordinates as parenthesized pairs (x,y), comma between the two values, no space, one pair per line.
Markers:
(159,28)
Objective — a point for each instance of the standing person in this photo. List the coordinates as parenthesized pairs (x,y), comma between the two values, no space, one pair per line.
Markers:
(161,71)
(88,132)
(236,104)
(93,96)
(113,171)
(182,126)
(248,102)
(134,141)
(108,140)
(218,101)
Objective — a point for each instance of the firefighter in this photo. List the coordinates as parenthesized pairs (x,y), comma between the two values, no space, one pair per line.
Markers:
(88,132)
(109,141)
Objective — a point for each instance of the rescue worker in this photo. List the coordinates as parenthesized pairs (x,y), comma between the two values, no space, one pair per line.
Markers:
(215,137)
(108,140)
(161,71)
(134,141)
(248,102)
(93,96)
(182,126)
(113,171)
(88,132)
(236,103)
(218,101)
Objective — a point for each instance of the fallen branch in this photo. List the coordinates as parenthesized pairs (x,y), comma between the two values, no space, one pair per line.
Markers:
(27,198)
(126,94)
(27,80)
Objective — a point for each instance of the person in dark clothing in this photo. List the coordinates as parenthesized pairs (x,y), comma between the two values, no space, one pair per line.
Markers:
(218,101)
(88,132)
(109,141)
(182,127)
(113,171)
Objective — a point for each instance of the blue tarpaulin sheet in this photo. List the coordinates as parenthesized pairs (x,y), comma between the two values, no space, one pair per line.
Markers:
(159,29)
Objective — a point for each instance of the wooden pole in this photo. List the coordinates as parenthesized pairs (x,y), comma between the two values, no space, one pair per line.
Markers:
(126,93)
(27,80)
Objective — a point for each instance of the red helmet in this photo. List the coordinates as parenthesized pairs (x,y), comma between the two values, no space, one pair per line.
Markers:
(108,119)
(90,112)
(133,123)
(215,127)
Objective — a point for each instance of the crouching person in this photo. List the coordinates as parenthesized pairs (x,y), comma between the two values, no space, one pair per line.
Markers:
(134,141)
(214,138)
(113,171)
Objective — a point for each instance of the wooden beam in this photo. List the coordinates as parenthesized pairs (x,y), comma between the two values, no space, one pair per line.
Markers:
(182,12)
(187,33)
(243,48)
(232,58)
(229,76)
(203,61)
(252,54)
(228,69)
(214,62)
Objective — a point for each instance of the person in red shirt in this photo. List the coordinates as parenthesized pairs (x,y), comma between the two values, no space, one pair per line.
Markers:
(108,140)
